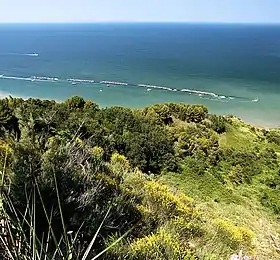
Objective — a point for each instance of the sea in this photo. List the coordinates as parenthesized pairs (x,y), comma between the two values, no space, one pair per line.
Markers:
(230,68)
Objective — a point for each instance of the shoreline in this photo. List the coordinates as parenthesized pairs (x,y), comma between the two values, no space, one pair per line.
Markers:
(258,126)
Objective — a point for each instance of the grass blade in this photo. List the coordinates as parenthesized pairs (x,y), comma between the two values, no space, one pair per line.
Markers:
(95,236)
(113,244)
(61,216)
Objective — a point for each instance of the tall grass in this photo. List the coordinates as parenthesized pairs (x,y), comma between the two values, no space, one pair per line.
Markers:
(19,238)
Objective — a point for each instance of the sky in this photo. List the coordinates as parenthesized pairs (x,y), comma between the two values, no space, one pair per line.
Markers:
(229,11)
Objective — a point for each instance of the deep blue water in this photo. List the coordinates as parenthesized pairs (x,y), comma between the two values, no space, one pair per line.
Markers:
(237,60)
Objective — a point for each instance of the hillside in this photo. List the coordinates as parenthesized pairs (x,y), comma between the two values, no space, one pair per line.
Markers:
(169,181)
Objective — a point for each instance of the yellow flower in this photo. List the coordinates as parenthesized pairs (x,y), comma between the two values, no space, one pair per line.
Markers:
(98,151)
(236,236)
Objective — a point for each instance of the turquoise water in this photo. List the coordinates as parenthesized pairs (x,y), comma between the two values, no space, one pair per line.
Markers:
(237,61)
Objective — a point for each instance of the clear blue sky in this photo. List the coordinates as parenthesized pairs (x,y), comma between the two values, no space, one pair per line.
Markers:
(257,11)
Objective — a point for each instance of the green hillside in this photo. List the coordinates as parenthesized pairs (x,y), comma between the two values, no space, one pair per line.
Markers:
(169,181)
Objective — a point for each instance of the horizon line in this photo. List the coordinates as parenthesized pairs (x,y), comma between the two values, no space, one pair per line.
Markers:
(143,22)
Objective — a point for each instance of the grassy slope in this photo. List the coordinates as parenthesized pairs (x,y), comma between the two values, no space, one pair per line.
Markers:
(238,204)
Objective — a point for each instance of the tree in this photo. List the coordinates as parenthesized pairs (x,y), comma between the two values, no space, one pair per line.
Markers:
(89,105)
(8,121)
(75,102)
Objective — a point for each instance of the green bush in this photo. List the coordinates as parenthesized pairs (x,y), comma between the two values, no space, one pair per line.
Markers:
(273,137)
(184,112)
(218,124)
(270,199)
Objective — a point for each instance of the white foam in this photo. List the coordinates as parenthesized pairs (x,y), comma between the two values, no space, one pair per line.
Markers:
(215,99)
(74,81)
(16,78)
(20,54)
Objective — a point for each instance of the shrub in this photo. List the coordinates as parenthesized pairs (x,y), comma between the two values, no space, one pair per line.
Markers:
(196,164)
(161,245)
(119,165)
(270,199)
(160,202)
(194,138)
(273,136)
(236,174)
(218,124)
(236,237)
(239,166)
(189,113)
(186,228)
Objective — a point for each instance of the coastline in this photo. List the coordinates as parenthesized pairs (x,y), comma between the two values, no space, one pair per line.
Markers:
(234,74)
(258,123)
(261,125)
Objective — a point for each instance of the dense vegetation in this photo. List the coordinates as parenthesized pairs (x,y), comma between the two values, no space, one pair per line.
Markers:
(166,182)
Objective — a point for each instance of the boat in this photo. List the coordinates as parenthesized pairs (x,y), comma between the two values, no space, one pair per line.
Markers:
(32,54)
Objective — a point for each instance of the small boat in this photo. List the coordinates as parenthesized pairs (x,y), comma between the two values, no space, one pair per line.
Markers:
(74,83)
(149,89)
(32,54)
(1,75)
(108,86)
